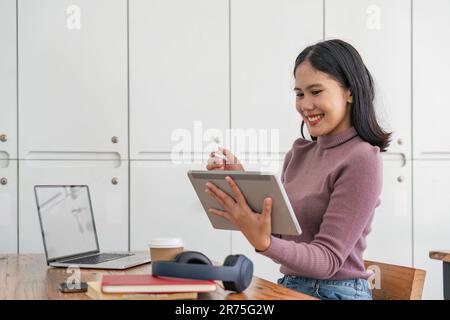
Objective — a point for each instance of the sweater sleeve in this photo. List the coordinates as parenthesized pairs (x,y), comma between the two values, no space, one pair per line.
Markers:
(355,195)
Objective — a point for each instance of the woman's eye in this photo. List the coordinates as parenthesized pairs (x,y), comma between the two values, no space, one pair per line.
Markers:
(316,92)
(300,95)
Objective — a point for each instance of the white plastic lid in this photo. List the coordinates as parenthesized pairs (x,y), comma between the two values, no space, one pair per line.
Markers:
(166,243)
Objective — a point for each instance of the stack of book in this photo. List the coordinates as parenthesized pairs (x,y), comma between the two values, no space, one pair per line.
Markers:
(147,287)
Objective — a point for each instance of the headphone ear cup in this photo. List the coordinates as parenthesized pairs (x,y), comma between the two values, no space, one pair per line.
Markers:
(244,272)
(230,260)
(194,257)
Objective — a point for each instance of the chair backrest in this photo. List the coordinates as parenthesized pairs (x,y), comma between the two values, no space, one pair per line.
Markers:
(395,282)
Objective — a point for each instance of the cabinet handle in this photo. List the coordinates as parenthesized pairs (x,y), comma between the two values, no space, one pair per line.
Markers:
(3,138)
(4,181)
(115,139)
(115,180)
(403,159)
(402,156)
(400,179)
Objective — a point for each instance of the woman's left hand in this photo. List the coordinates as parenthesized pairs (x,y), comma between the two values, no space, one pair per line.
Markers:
(255,227)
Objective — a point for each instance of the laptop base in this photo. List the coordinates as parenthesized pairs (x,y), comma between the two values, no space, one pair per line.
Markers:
(138,258)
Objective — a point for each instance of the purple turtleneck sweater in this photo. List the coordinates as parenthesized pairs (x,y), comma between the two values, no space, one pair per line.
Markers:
(334,185)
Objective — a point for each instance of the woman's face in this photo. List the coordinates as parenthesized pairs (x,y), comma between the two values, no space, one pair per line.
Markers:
(321,101)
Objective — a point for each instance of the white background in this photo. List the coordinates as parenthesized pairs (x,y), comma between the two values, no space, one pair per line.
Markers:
(92,90)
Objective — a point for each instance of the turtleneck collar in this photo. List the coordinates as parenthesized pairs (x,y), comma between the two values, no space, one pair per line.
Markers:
(326,142)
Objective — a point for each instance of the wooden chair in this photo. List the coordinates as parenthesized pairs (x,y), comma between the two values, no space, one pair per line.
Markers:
(396,282)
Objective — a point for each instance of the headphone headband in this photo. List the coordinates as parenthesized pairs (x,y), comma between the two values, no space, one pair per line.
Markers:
(193,271)
(236,272)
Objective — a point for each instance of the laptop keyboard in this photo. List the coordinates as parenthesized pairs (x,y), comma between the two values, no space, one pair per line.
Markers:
(98,258)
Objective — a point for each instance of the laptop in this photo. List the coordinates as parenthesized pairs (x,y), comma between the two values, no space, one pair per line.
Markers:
(69,234)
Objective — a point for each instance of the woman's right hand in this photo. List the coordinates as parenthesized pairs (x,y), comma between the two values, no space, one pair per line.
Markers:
(223,159)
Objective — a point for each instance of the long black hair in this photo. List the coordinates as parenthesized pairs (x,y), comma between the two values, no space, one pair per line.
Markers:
(343,63)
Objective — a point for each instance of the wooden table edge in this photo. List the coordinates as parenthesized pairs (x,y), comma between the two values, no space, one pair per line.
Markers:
(27,277)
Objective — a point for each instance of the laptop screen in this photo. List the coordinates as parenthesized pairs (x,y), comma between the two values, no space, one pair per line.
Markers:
(67,221)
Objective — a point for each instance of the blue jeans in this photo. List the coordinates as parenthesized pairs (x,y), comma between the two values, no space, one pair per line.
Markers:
(355,289)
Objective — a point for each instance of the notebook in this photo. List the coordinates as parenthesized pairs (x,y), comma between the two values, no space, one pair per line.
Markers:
(95,292)
(139,283)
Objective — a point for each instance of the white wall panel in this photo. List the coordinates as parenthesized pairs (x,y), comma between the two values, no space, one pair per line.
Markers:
(266,37)
(431,38)
(179,73)
(431,220)
(73,79)
(8,80)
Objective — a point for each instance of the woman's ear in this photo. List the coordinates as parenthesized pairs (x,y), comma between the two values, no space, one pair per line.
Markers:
(349,97)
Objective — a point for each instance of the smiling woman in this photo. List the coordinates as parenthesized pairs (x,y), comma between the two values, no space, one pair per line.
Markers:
(333,182)
(335,91)
(322,101)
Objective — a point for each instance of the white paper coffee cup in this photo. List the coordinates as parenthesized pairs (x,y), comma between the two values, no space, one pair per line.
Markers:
(165,249)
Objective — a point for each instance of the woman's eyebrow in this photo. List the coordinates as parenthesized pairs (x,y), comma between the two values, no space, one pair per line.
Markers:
(309,87)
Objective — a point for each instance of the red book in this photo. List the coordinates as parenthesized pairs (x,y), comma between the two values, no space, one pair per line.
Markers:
(143,283)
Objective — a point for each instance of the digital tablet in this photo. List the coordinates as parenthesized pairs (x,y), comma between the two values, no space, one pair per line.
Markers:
(255,186)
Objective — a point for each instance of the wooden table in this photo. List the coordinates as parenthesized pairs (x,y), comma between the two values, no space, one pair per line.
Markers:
(28,277)
(444,256)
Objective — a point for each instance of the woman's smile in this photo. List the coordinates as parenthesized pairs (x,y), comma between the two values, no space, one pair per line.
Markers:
(314,119)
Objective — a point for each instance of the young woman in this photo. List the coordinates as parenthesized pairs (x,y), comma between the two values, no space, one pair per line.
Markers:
(333,182)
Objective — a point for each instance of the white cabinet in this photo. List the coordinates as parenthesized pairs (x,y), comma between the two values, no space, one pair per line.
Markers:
(163,203)
(8,127)
(8,79)
(390,239)
(266,38)
(179,74)
(381,32)
(431,220)
(73,79)
(8,206)
(108,185)
(431,40)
